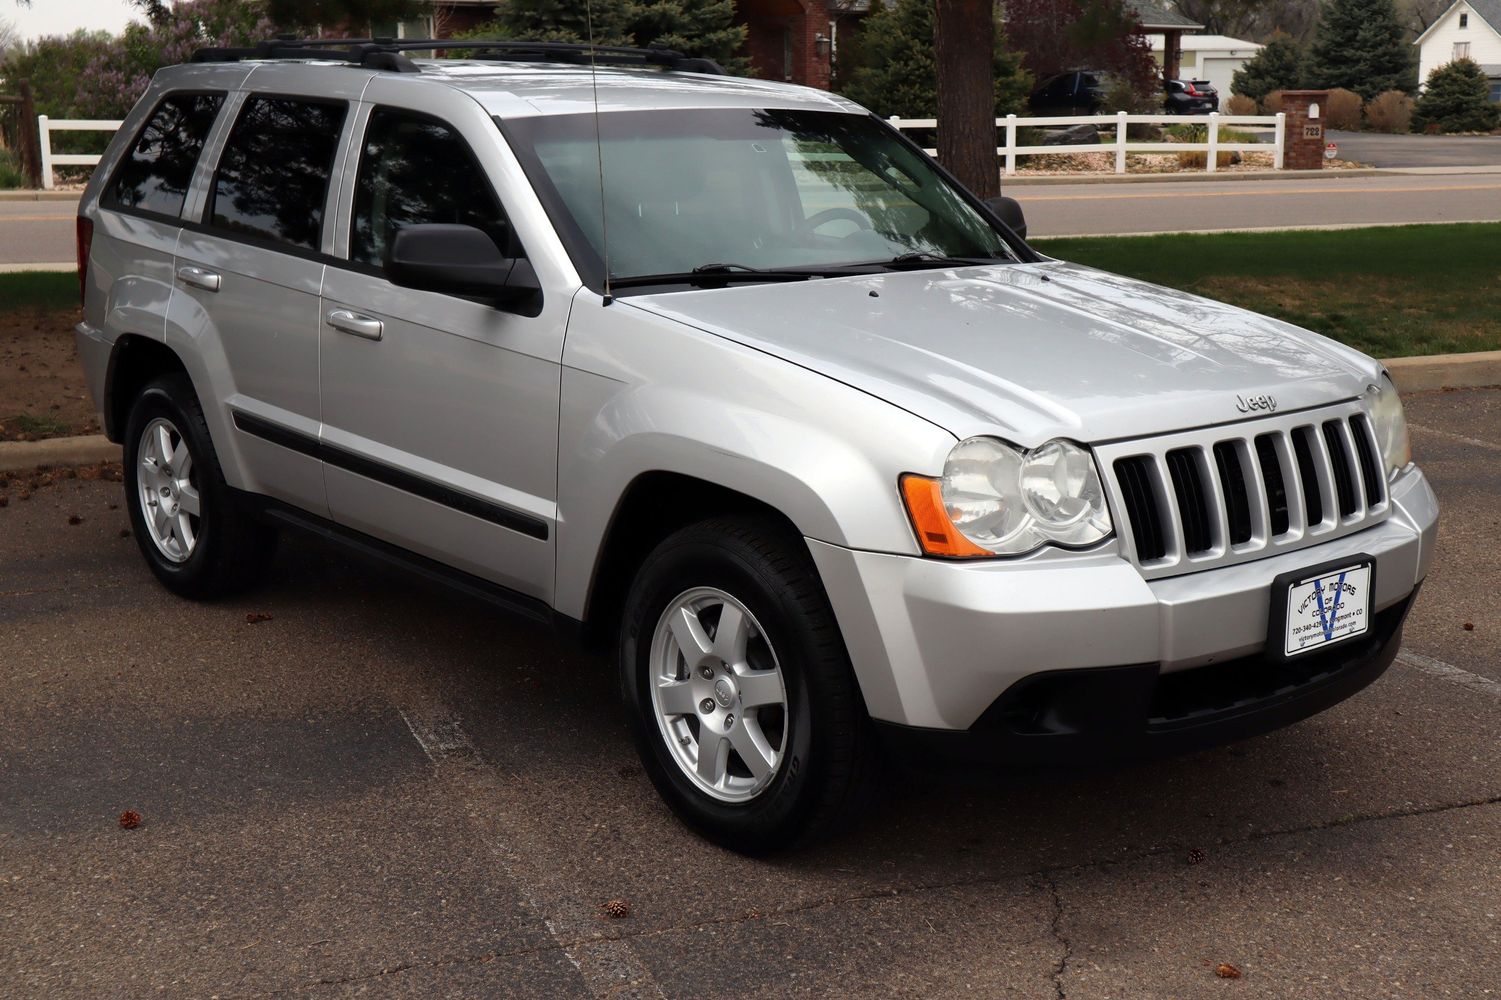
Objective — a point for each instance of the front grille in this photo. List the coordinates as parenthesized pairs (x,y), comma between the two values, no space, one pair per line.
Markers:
(1227,494)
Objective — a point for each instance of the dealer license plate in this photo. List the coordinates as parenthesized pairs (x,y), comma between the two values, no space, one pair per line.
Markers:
(1323,609)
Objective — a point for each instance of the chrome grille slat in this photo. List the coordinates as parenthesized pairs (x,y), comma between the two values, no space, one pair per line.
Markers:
(1189,485)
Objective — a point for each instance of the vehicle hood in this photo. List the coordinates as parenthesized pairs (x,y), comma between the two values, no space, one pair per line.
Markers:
(1031,351)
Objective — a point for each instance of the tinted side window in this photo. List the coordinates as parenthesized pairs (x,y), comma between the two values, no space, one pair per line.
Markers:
(416,170)
(273,176)
(154,176)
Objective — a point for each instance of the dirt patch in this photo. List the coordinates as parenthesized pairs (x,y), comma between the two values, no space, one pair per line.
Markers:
(42,392)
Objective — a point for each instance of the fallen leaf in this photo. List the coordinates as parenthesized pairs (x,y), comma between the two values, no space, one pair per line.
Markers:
(256,617)
(130,819)
(615,909)
(1226,971)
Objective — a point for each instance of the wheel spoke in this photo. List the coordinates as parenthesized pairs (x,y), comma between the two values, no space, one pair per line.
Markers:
(690,636)
(750,743)
(191,504)
(730,637)
(180,460)
(160,521)
(713,757)
(163,444)
(676,697)
(760,687)
(183,529)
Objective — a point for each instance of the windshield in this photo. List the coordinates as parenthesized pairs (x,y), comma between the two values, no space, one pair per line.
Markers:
(745,190)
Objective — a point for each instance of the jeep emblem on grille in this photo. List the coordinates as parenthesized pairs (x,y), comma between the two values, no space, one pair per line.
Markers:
(1247,404)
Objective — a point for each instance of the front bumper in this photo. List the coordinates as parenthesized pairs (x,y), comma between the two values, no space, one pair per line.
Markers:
(935,644)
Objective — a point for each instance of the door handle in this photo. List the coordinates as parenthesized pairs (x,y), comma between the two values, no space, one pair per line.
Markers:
(199,277)
(354,323)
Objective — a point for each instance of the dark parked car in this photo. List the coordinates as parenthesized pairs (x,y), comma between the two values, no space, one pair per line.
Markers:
(1190,97)
(1077,92)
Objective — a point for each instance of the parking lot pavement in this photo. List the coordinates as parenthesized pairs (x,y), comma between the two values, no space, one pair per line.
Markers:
(387,789)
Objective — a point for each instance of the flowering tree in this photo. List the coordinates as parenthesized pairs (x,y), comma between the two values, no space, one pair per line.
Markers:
(117,76)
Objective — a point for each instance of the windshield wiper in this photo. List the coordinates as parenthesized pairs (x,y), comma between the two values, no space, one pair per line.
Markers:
(719,273)
(929,257)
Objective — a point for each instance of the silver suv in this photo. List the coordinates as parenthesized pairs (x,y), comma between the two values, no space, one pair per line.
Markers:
(726,376)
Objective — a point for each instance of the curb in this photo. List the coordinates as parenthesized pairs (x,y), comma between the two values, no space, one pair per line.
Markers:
(40,195)
(1446,371)
(1200,177)
(1477,370)
(20,455)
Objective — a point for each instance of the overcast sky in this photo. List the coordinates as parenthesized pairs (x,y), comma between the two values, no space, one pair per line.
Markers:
(63,17)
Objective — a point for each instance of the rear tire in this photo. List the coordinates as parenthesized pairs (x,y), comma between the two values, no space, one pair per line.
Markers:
(754,732)
(196,533)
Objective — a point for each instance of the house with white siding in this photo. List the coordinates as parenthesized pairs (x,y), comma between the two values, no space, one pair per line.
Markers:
(1216,58)
(1471,29)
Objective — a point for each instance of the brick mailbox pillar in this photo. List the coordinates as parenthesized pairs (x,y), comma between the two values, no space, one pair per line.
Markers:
(1304,148)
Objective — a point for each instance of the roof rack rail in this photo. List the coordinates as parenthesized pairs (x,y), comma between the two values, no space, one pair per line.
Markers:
(388,53)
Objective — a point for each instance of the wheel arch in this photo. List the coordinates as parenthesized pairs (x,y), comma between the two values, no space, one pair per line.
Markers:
(133,362)
(653,506)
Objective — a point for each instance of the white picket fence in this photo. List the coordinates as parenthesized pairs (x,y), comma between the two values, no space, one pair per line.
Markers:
(45,128)
(1122,144)
(1010,150)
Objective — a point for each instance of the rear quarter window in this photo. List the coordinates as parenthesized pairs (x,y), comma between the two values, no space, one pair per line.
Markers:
(155,174)
(272,181)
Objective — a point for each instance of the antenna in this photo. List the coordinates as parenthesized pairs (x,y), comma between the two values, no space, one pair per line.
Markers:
(599,151)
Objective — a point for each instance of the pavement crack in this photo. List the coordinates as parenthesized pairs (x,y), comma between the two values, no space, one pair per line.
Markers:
(1055,927)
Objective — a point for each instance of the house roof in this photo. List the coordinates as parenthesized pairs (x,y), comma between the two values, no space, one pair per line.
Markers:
(1489,11)
(1155,18)
(1208,43)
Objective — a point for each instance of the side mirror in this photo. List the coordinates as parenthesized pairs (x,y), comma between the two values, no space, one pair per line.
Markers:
(1010,212)
(458,260)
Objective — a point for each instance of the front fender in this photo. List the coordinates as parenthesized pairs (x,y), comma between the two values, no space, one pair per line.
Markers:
(646,394)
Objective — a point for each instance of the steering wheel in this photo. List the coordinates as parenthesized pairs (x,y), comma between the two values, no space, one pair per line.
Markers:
(828,215)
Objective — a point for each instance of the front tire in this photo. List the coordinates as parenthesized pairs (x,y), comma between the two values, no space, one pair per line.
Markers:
(195,533)
(745,709)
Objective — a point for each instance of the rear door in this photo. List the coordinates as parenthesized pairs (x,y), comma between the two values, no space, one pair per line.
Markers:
(440,413)
(249,273)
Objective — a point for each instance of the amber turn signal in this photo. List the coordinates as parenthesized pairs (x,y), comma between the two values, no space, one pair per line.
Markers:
(935,532)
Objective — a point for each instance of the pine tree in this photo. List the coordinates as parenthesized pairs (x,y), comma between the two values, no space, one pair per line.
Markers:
(703,28)
(1361,45)
(559,21)
(1456,99)
(897,73)
(694,27)
(1278,66)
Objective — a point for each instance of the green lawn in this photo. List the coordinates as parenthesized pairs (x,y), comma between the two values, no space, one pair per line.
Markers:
(44,289)
(1389,291)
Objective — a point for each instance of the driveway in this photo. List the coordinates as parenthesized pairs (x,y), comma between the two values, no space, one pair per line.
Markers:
(386,789)
(1380,150)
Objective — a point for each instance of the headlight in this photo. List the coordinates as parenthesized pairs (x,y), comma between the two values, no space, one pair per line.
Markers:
(995,499)
(1390,425)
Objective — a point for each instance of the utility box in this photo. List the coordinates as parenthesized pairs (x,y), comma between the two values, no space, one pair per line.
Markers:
(1304,142)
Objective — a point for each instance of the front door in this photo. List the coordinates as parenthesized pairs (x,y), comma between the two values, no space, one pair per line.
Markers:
(440,413)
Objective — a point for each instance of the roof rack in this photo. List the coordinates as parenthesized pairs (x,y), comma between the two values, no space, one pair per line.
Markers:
(388,53)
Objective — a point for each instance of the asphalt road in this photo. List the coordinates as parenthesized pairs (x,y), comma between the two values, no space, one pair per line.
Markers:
(37,232)
(43,232)
(1321,200)
(1380,150)
(389,790)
